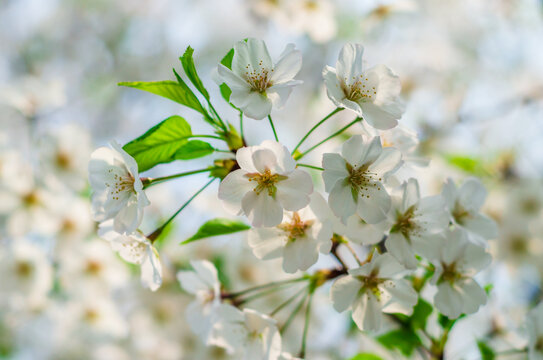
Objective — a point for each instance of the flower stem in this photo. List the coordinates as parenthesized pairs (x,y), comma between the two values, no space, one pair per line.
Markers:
(310,166)
(348,246)
(288,301)
(207,136)
(292,315)
(273,128)
(241,126)
(306,324)
(298,157)
(152,181)
(315,127)
(265,286)
(155,234)
(216,114)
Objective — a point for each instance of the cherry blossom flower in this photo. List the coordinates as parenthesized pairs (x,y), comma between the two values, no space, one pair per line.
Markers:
(27,275)
(136,249)
(415,222)
(359,231)
(117,189)
(464,204)
(355,178)
(298,239)
(248,332)
(372,94)
(534,324)
(266,183)
(204,283)
(372,289)
(456,261)
(256,82)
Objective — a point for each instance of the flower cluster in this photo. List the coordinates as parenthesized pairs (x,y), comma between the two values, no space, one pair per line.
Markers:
(366,207)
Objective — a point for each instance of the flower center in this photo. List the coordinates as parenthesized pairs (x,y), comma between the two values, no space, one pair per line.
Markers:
(23,269)
(63,160)
(361,180)
(258,79)
(265,181)
(371,283)
(405,223)
(93,267)
(450,274)
(518,245)
(358,90)
(460,214)
(296,228)
(121,183)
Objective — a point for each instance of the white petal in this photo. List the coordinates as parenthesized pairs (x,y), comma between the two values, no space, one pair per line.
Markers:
(400,248)
(403,298)
(374,204)
(341,201)
(288,65)
(411,194)
(232,190)
(482,226)
(234,82)
(344,291)
(293,192)
(285,162)
(349,62)
(191,282)
(264,159)
(448,300)
(334,169)
(333,86)
(151,270)
(267,243)
(388,161)
(258,106)
(472,194)
(206,271)
(300,254)
(262,209)
(379,117)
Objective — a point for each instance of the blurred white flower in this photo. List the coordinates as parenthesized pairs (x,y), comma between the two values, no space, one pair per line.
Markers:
(248,332)
(204,283)
(117,189)
(456,261)
(256,83)
(32,95)
(267,183)
(355,178)
(299,239)
(65,155)
(534,324)
(415,222)
(372,289)
(27,275)
(90,266)
(26,203)
(372,94)
(525,200)
(316,18)
(464,204)
(136,249)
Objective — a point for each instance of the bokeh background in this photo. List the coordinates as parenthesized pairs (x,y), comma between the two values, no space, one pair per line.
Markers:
(472,78)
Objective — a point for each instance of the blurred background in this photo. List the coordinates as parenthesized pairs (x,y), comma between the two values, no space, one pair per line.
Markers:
(472,79)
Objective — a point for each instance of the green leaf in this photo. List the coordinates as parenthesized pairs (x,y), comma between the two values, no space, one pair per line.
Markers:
(471,165)
(402,339)
(193,149)
(486,351)
(188,65)
(421,312)
(176,91)
(366,356)
(217,227)
(227,61)
(160,143)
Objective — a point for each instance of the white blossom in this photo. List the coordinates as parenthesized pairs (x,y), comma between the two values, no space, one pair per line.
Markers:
(266,184)
(456,261)
(372,289)
(372,94)
(355,178)
(136,249)
(464,205)
(204,283)
(257,83)
(298,239)
(415,223)
(117,189)
(248,332)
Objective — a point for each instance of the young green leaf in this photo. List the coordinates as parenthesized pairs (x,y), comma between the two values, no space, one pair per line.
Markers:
(227,61)
(160,143)
(402,339)
(366,356)
(176,91)
(217,227)
(421,312)
(486,351)
(188,65)
(193,149)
